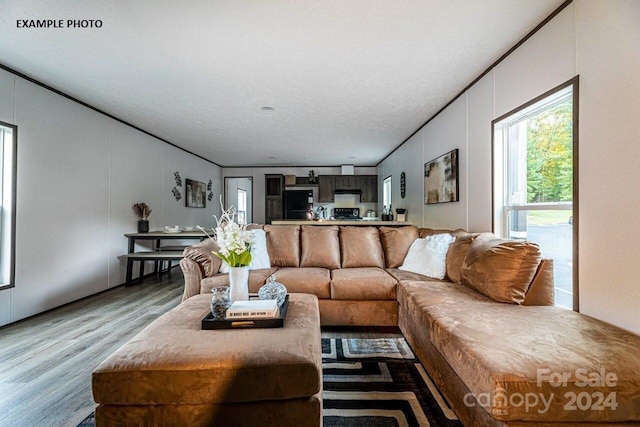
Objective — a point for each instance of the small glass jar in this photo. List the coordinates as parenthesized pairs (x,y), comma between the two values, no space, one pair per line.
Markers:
(220,302)
(273,290)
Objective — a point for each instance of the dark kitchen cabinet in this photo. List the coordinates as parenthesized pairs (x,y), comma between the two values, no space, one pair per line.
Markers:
(273,197)
(369,187)
(348,182)
(326,188)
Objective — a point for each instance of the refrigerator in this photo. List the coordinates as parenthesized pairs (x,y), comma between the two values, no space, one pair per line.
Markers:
(298,204)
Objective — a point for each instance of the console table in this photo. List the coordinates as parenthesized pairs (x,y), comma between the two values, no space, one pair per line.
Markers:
(156,255)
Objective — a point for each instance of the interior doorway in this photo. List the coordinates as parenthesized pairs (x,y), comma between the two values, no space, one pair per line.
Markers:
(238,192)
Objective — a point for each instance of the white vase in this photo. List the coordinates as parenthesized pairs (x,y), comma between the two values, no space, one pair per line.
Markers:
(238,283)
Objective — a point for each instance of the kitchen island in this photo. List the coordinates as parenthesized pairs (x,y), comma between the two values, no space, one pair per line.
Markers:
(340,222)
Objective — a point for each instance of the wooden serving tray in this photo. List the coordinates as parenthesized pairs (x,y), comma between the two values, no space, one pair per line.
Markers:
(209,323)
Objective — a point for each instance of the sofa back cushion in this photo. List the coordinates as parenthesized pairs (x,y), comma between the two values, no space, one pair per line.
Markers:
(320,246)
(426,232)
(542,291)
(456,255)
(500,269)
(360,247)
(396,242)
(283,245)
(202,253)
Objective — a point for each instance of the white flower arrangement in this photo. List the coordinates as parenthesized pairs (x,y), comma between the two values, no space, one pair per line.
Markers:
(234,240)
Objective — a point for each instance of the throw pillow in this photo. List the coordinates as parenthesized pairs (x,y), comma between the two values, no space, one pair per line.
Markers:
(500,269)
(428,256)
(259,254)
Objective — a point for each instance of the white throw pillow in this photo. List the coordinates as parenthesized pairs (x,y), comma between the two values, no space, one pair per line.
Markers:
(428,256)
(259,254)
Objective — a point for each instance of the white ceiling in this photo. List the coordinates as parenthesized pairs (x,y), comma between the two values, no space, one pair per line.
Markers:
(349,80)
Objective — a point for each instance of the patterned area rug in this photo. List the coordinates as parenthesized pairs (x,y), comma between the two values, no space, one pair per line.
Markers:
(375,383)
(379,382)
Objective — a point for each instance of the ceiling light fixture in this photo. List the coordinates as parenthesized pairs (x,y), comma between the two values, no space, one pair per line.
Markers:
(268,108)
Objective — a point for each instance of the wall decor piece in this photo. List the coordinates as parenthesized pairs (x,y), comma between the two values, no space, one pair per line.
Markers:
(196,194)
(403,185)
(176,193)
(210,190)
(441,179)
(176,176)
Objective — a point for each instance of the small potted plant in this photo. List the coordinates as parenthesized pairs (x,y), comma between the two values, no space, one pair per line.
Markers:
(143,211)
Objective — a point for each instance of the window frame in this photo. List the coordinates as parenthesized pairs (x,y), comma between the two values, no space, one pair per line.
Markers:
(498,183)
(8,219)
(240,191)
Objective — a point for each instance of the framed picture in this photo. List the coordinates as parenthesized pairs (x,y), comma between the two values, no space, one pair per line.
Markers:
(196,194)
(441,179)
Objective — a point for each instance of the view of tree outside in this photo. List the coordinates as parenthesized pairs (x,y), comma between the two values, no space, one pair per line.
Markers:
(550,155)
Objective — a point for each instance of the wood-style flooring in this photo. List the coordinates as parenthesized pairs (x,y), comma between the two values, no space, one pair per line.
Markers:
(46,361)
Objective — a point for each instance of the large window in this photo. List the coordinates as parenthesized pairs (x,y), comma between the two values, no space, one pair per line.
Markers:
(8,138)
(534,183)
(386,193)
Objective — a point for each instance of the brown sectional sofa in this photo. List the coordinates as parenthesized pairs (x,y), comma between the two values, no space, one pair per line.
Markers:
(488,333)
(352,270)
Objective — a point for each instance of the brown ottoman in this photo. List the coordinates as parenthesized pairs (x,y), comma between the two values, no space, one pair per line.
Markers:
(174,373)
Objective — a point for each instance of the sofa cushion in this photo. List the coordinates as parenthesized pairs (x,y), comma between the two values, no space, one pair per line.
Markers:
(283,245)
(306,280)
(500,269)
(401,275)
(456,255)
(257,278)
(362,284)
(361,247)
(396,242)
(202,253)
(541,291)
(428,256)
(320,246)
(533,343)
(426,232)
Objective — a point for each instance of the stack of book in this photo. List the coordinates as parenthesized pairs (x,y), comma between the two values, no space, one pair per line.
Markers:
(253,309)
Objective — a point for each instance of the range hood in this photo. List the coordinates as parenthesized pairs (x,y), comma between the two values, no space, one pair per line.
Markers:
(348,191)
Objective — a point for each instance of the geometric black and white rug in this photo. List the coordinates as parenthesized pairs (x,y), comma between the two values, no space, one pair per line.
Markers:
(378,382)
(375,383)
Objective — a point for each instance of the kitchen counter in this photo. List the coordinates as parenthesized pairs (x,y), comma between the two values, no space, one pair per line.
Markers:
(339,222)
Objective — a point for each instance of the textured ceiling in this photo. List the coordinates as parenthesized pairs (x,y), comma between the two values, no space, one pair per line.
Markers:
(349,80)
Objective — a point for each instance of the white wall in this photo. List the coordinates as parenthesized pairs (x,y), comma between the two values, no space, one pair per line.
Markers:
(258,174)
(608,61)
(78,174)
(597,40)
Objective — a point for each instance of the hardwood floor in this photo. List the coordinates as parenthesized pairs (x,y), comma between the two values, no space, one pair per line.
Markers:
(46,361)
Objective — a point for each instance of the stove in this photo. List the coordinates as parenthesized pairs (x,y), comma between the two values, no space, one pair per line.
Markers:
(347,214)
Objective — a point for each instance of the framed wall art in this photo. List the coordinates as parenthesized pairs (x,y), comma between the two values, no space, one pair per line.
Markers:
(196,194)
(441,179)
